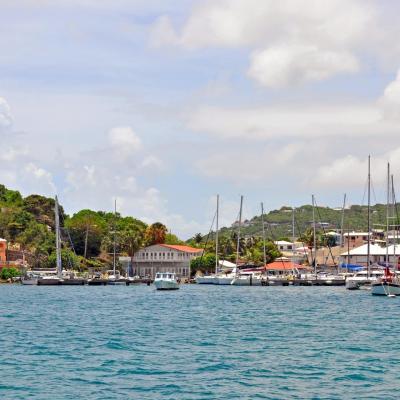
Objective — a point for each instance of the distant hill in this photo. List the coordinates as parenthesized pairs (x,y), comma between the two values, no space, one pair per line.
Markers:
(279,222)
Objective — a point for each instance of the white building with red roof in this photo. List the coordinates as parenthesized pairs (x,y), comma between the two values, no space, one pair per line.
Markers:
(164,258)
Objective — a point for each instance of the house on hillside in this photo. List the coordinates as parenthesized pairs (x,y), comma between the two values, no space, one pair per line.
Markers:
(355,239)
(164,258)
(284,245)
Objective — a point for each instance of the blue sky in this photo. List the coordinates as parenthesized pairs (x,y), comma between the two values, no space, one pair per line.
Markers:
(164,104)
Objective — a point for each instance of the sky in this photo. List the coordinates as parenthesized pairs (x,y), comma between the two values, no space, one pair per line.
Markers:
(163,104)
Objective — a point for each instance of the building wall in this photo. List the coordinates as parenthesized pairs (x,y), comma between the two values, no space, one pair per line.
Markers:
(3,251)
(152,259)
(362,259)
(149,269)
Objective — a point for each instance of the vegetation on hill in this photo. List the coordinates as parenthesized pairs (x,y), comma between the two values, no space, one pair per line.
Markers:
(278,223)
(87,236)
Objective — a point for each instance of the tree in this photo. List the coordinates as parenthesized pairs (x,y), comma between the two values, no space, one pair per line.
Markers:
(155,234)
(87,229)
(8,273)
(198,238)
(131,238)
(42,208)
(172,239)
(205,264)
(69,260)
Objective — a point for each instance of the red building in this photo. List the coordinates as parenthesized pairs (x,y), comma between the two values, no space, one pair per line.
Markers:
(3,253)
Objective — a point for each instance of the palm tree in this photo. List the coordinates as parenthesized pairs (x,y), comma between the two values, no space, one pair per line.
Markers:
(155,233)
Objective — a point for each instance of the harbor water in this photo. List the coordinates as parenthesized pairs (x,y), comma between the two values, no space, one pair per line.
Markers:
(200,342)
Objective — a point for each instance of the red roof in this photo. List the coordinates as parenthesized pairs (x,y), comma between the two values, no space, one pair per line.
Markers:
(283,266)
(179,247)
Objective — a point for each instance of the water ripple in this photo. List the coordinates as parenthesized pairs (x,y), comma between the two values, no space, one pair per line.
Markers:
(201,342)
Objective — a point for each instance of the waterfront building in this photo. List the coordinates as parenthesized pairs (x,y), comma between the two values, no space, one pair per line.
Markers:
(359,255)
(283,266)
(3,253)
(164,258)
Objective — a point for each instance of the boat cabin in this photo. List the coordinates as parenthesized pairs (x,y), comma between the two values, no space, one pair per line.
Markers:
(165,275)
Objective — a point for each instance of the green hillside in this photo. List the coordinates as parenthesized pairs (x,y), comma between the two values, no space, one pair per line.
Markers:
(279,222)
(87,236)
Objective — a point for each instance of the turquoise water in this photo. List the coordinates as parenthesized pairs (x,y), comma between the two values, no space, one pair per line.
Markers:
(200,342)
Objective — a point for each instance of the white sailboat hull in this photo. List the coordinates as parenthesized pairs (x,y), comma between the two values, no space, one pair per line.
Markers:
(247,280)
(224,280)
(206,280)
(31,281)
(385,289)
(354,284)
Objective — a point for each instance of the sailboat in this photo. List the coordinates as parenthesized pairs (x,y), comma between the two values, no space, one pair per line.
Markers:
(212,278)
(388,284)
(369,276)
(114,277)
(253,277)
(54,279)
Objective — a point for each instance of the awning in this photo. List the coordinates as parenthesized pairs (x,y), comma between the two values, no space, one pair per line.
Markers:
(352,267)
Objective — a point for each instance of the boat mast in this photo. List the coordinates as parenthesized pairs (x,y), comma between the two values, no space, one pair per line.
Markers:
(263,232)
(216,237)
(314,236)
(238,235)
(293,252)
(342,222)
(369,218)
(387,213)
(395,227)
(58,239)
(114,254)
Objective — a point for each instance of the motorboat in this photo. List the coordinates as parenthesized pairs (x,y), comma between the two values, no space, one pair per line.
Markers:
(363,278)
(166,281)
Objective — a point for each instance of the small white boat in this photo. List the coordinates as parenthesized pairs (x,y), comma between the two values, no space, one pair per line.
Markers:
(166,281)
(30,278)
(114,278)
(362,278)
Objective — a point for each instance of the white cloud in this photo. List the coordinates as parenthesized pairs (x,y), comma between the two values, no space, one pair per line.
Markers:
(281,66)
(292,42)
(312,120)
(124,138)
(390,100)
(351,171)
(5,115)
(152,162)
(163,33)
(41,178)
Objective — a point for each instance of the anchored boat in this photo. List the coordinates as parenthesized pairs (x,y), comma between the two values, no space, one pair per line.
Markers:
(166,281)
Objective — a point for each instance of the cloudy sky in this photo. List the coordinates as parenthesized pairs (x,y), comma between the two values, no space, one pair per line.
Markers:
(162,104)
